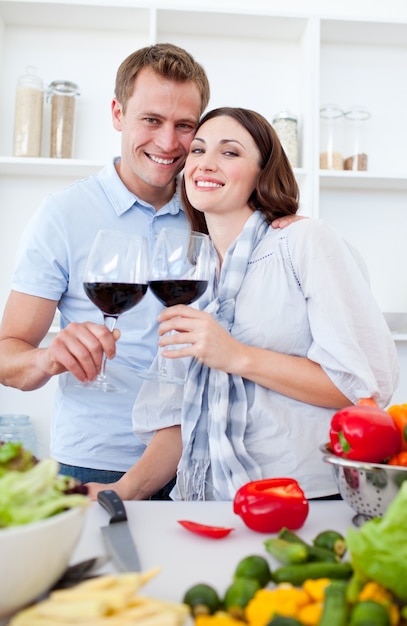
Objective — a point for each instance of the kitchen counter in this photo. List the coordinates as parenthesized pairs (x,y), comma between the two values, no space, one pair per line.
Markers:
(186,559)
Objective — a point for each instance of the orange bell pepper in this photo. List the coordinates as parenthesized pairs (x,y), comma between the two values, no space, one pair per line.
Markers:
(399,459)
(399,414)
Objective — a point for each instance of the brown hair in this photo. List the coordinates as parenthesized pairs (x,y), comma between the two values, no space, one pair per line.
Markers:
(167,60)
(276,193)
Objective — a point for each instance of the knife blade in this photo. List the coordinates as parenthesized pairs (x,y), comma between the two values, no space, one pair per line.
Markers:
(117,536)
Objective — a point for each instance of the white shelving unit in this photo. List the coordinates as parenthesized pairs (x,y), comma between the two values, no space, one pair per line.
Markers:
(261,55)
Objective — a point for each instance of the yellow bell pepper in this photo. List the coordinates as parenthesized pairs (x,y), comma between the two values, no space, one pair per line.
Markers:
(285,600)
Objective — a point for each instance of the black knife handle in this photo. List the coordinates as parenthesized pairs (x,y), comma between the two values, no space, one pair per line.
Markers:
(113,504)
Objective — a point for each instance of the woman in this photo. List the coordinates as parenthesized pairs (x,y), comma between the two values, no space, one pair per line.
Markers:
(289,332)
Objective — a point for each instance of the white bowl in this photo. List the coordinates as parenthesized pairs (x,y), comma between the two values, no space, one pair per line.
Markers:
(33,556)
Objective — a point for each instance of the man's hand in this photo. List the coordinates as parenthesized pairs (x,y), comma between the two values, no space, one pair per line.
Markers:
(79,349)
(282,222)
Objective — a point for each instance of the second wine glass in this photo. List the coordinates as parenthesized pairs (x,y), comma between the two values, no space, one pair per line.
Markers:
(179,274)
(115,280)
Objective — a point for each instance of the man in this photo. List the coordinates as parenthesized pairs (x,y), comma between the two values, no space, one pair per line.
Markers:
(160,94)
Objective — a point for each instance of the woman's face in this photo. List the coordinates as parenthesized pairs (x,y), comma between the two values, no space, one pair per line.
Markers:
(222,167)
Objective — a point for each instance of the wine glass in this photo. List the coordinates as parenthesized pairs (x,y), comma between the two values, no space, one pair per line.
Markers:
(115,280)
(179,274)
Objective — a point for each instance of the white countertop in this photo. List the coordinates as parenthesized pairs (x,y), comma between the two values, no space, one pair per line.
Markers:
(186,559)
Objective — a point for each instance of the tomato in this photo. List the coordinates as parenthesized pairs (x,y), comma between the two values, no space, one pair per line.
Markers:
(214,532)
(268,505)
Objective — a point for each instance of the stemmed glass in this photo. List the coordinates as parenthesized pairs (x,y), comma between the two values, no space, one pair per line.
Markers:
(179,274)
(115,280)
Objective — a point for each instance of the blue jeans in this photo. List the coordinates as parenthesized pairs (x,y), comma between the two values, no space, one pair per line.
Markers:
(89,475)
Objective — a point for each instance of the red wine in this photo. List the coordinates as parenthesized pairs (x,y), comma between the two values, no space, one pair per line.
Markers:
(171,292)
(115,298)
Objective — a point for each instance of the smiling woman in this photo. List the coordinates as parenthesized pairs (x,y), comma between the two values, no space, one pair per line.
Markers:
(268,364)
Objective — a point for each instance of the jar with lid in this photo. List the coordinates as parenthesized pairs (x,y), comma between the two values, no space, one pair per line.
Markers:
(19,428)
(286,126)
(331,137)
(29,105)
(62,94)
(356,126)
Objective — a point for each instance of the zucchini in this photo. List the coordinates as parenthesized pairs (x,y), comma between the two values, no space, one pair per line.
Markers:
(296,574)
(202,599)
(286,551)
(331,540)
(335,611)
(315,553)
(369,613)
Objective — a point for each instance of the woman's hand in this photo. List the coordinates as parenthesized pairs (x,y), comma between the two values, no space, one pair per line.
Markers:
(199,336)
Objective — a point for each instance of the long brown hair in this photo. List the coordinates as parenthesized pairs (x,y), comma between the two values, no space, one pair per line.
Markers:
(276,193)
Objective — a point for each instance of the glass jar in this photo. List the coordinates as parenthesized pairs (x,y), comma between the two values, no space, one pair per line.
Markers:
(286,126)
(356,127)
(19,428)
(29,105)
(62,94)
(331,137)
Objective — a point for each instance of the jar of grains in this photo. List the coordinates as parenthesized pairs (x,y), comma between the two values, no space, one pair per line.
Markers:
(19,428)
(355,138)
(331,137)
(62,94)
(286,126)
(29,105)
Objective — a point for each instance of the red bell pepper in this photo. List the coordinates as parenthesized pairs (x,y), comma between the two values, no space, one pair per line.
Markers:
(214,532)
(268,505)
(364,433)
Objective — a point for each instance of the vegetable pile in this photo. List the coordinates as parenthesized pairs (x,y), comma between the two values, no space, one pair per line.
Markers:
(357,580)
(31,490)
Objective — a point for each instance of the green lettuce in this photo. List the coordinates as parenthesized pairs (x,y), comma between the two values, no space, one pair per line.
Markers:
(36,493)
(378,549)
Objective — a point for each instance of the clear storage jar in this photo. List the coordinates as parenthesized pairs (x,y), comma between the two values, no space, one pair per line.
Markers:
(331,137)
(62,94)
(286,126)
(28,114)
(356,127)
(19,428)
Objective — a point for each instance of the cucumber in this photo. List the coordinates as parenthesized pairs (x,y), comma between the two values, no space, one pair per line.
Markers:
(331,540)
(314,553)
(286,551)
(296,574)
(335,611)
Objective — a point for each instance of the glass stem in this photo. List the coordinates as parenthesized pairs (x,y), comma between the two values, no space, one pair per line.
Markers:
(110,323)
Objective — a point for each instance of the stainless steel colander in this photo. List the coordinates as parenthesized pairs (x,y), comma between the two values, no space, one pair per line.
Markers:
(368,488)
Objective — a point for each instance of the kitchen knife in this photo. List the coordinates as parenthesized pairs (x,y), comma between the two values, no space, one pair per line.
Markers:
(116,535)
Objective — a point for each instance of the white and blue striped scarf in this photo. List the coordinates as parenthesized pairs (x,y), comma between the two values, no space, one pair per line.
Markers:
(215,405)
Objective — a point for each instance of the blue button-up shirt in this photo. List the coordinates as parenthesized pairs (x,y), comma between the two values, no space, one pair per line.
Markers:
(89,428)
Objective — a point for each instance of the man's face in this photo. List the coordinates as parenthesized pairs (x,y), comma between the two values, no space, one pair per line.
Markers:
(157,129)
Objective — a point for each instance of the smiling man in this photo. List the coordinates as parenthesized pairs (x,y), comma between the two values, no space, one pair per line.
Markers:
(160,94)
